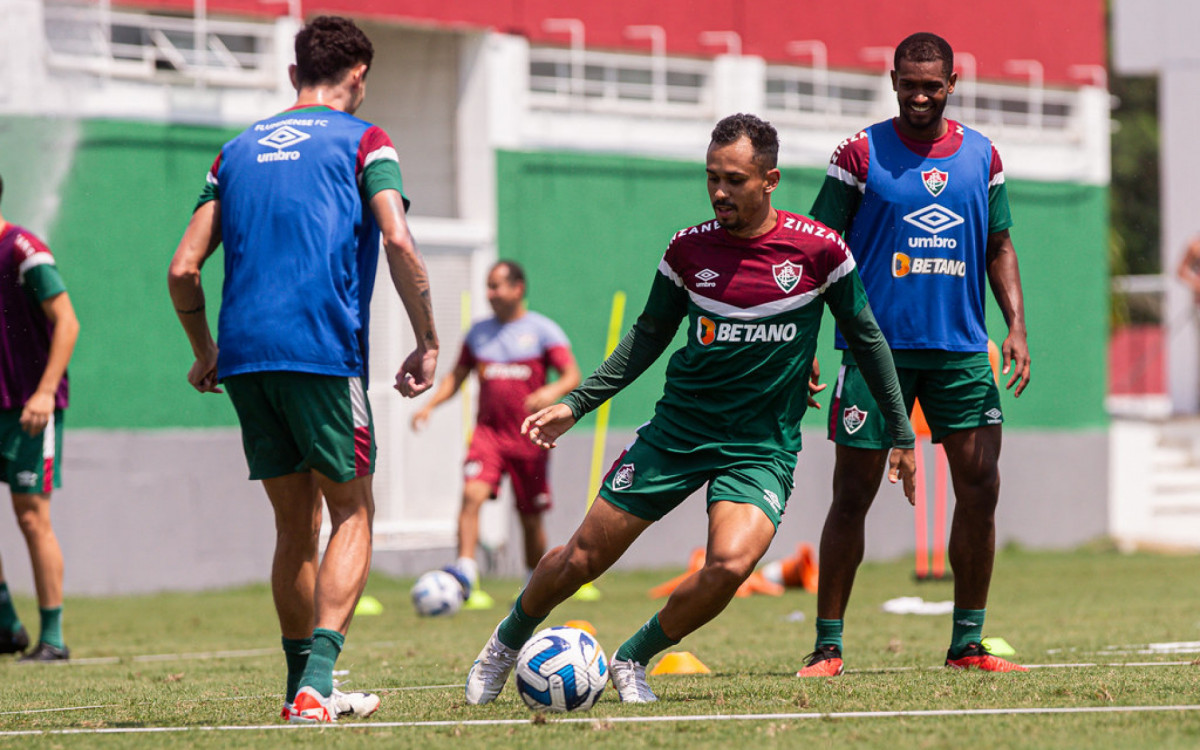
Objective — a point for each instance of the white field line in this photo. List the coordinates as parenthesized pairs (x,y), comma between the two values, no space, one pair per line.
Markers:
(360,725)
(199,655)
(1071,665)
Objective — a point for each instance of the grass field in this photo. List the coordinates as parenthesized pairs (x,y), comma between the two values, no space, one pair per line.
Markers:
(188,662)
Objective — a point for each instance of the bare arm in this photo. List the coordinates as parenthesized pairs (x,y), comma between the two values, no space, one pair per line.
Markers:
(446,388)
(1005,279)
(568,377)
(38,409)
(200,240)
(1188,264)
(408,273)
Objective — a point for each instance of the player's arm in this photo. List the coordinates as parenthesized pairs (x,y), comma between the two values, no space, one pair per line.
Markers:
(200,240)
(640,347)
(569,378)
(445,390)
(847,301)
(411,280)
(1005,278)
(1188,265)
(36,412)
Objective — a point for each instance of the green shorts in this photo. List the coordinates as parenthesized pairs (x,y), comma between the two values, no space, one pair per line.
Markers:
(956,391)
(650,481)
(297,421)
(31,464)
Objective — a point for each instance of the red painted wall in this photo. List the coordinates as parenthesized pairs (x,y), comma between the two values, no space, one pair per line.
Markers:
(1059,34)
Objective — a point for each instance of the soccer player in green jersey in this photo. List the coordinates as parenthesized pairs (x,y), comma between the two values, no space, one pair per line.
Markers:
(750,286)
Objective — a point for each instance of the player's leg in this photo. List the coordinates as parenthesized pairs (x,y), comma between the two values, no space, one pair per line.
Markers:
(531,491)
(482,471)
(13,637)
(857,428)
(533,533)
(605,534)
(45,557)
(296,501)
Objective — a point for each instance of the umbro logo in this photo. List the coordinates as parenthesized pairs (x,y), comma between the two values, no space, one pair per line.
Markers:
(284,137)
(993,415)
(705,277)
(934,219)
(26,478)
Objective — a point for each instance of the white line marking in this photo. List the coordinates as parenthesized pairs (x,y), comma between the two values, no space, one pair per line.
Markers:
(48,710)
(888,670)
(625,719)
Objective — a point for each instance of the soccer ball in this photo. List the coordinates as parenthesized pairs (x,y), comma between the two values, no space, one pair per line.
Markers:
(437,593)
(561,669)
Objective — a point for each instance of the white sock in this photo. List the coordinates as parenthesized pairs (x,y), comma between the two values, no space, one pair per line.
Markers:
(470,569)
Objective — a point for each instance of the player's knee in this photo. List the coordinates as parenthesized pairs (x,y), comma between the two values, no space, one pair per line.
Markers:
(33,524)
(727,574)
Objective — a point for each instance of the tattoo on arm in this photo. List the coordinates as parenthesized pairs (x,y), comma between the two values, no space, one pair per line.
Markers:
(193,311)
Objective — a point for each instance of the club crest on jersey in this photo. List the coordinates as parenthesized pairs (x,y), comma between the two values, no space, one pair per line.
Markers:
(787,275)
(853,418)
(935,181)
(623,479)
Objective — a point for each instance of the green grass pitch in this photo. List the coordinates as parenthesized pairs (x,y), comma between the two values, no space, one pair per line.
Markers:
(191,662)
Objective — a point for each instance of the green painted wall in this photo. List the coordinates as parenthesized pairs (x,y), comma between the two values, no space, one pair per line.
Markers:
(124,195)
(588,225)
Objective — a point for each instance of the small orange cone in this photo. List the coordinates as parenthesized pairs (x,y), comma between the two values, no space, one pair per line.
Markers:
(801,569)
(583,625)
(758,584)
(680,662)
(695,562)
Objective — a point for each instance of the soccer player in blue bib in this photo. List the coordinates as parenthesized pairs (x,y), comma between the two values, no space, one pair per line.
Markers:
(300,201)
(923,205)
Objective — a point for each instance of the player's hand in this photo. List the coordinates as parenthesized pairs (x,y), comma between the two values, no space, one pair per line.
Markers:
(416,374)
(419,419)
(203,375)
(548,425)
(902,465)
(1015,353)
(36,413)
(815,385)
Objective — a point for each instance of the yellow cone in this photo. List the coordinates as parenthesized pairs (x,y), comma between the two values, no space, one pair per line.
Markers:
(368,605)
(587,593)
(583,625)
(996,645)
(680,662)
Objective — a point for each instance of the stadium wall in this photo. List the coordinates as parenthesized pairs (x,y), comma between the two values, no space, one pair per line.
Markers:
(155,493)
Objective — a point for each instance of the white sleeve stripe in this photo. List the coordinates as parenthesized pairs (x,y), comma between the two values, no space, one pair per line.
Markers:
(384,152)
(665,269)
(841,272)
(997,180)
(37,259)
(843,176)
(211,178)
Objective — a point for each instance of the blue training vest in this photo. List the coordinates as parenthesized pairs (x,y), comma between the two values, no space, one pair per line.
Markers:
(920,239)
(301,247)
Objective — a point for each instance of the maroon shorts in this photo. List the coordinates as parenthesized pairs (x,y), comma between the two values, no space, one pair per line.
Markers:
(489,459)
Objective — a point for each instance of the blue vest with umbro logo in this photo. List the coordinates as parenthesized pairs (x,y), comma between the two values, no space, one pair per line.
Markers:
(920,237)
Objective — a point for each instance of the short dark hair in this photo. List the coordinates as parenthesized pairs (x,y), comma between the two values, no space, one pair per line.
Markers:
(516,274)
(925,47)
(327,47)
(761,133)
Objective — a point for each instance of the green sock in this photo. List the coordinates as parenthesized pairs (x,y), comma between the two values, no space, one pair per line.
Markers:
(968,628)
(8,614)
(318,672)
(644,644)
(515,629)
(829,633)
(295,651)
(51,626)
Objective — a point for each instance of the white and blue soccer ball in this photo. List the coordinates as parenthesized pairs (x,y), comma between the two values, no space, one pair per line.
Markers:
(437,594)
(561,669)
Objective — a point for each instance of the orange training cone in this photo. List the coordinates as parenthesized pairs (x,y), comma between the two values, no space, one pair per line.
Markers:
(583,625)
(758,584)
(680,662)
(797,571)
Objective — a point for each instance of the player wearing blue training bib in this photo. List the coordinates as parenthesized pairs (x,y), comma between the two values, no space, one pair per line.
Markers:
(300,201)
(923,206)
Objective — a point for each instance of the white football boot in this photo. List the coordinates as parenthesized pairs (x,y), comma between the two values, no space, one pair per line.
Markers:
(490,671)
(357,704)
(629,678)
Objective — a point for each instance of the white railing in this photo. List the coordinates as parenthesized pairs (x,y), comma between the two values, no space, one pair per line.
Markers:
(804,95)
(149,47)
(612,82)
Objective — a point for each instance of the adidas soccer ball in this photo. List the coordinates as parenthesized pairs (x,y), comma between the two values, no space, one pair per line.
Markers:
(437,593)
(561,669)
